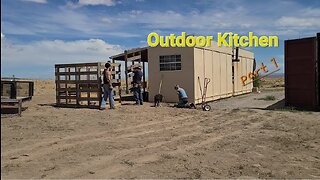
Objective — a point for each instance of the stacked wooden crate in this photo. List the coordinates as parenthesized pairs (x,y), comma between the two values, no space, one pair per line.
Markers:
(80,85)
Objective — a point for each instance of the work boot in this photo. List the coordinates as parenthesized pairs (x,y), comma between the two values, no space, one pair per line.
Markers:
(193,106)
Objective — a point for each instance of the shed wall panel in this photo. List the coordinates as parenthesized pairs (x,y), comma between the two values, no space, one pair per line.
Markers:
(183,77)
(217,74)
(198,67)
(224,81)
(242,68)
(229,75)
(216,66)
(208,73)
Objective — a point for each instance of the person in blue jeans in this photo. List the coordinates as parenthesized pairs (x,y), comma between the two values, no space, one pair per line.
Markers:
(183,98)
(107,87)
(137,81)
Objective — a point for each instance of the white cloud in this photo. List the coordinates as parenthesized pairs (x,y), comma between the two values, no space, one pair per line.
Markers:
(106,20)
(228,16)
(123,34)
(299,22)
(36,1)
(204,22)
(311,11)
(97,2)
(76,24)
(2,40)
(81,3)
(42,53)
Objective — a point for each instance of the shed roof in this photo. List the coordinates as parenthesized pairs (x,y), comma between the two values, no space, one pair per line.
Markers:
(135,54)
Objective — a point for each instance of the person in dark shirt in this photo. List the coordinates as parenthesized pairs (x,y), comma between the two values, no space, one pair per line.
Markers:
(137,81)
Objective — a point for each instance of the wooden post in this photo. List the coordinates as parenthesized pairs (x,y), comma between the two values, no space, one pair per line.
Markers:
(66,85)
(126,70)
(69,89)
(30,89)
(13,90)
(114,69)
(120,84)
(88,92)
(144,77)
(57,86)
(99,93)
(19,106)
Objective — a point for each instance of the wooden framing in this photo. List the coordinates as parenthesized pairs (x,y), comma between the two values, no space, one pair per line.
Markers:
(80,85)
(139,55)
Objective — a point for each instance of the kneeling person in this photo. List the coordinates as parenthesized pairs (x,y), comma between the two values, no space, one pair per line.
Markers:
(183,98)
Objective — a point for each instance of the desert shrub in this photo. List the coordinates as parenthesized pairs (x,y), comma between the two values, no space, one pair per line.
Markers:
(268,98)
(256,81)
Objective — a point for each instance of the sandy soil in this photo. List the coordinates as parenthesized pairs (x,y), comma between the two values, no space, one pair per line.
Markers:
(234,140)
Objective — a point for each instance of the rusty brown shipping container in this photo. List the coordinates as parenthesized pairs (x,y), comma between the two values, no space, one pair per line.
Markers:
(302,72)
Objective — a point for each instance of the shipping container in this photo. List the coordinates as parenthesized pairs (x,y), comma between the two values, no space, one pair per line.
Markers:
(171,65)
(302,72)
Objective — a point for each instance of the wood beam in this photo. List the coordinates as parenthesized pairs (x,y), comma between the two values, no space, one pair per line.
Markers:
(144,77)
(134,58)
(126,70)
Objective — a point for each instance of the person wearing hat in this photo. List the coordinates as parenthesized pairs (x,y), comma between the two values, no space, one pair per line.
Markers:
(107,87)
(137,81)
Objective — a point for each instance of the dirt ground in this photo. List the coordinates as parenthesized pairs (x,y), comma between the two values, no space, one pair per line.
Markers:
(238,138)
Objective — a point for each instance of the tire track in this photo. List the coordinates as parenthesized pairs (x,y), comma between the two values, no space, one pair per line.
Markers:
(37,146)
(106,162)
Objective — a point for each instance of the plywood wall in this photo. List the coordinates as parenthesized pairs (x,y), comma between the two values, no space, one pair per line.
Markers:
(183,77)
(242,68)
(214,63)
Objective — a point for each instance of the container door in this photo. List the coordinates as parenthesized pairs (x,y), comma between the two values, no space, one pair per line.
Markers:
(318,70)
(301,73)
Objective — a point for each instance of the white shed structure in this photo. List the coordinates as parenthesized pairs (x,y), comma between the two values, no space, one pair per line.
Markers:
(183,66)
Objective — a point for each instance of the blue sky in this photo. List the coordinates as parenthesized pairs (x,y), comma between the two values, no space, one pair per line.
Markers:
(36,34)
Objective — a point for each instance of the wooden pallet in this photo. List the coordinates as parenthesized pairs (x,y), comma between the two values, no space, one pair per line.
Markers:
(12,105)
(80,85)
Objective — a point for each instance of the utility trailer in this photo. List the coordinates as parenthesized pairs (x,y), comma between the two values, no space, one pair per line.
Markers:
(13,93)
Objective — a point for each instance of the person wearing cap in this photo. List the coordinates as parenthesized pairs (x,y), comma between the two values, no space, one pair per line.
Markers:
(183,98)
(107,87)
(137,81)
